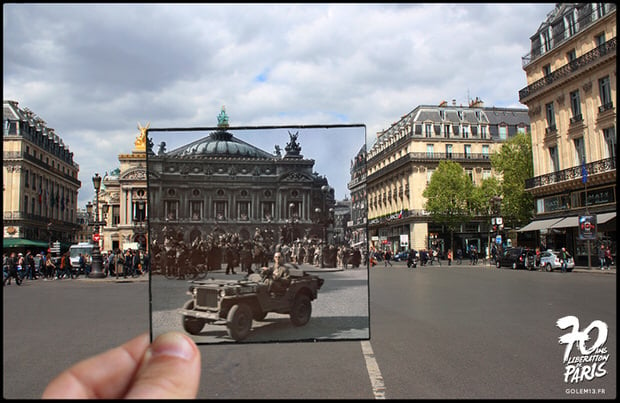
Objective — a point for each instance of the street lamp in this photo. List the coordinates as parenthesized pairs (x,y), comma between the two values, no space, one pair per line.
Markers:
(96,270)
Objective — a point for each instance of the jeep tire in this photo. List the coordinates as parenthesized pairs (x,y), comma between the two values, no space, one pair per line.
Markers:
(190,324)
(239,321)
(301,310)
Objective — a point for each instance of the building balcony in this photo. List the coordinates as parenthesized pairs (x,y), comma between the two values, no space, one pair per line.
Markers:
(596,56)
(606,107)
(576,119)
(430,158)
(569,174)
(23,156)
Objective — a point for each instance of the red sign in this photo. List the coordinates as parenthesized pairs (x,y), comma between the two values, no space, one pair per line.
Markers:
(96,237)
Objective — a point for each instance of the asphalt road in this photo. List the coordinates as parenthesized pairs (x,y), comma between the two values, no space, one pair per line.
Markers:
(435,332)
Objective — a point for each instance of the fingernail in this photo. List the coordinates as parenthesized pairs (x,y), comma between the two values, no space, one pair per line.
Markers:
(173,344)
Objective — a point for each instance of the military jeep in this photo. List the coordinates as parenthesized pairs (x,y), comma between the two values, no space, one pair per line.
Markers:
(236,303)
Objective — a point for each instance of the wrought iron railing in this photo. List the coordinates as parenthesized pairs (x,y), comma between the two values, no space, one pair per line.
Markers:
(582,62)
(606,165)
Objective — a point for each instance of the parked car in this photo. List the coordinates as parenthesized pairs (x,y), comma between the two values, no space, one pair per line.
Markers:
(401,256)
(517,258)
(550,260)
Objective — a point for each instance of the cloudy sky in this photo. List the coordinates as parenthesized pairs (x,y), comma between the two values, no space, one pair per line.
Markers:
(92,72)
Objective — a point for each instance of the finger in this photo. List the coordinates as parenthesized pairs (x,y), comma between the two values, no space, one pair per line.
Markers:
(170,369)
(107,375)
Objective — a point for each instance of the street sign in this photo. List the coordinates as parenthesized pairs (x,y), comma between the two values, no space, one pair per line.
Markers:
(96,237)
(55,247)
(498,239)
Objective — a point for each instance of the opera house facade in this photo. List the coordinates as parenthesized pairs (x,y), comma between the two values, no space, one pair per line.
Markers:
(219,183)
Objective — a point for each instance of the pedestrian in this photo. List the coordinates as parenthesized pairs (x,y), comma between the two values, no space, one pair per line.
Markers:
(81,266)
(50,267)
(88,264)
(119,263)
(128,263)
(65,267)
(246,257)
(601,257)
(564,255)
(449,257)
(537,261)
(436,256)
(12,271)
(41,268)
(387,258)
(5,266)
(146,263)
(230,262)
(29,266)
(608,258)
(135,264)
(459,255)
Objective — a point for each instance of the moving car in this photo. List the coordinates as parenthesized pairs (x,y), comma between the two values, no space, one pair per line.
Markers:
(401,256)
(550,260)
(236,303)
(517,258)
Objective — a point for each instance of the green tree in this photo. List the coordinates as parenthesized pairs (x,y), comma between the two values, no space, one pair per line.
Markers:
(448,197)
(514,163)
(482,195)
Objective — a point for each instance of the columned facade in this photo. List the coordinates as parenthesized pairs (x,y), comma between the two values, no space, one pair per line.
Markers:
(123,201)
(222,184)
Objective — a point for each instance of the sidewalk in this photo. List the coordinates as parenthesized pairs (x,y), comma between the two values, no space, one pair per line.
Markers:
(595,269)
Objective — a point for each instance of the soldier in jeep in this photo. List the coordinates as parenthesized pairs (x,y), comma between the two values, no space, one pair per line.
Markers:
(277,277)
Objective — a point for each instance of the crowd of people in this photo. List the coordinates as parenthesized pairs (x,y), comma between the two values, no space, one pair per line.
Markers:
(20,267)
(17,266)
(221,249)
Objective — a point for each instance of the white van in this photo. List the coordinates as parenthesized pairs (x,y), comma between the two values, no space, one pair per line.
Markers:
(85,248)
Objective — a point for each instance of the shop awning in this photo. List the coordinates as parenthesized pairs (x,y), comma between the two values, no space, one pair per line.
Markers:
(573,221)
(23,243)
(605,217)
(540,224)
(567,222)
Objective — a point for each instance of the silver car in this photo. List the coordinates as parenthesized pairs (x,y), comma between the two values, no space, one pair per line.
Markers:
(550,260)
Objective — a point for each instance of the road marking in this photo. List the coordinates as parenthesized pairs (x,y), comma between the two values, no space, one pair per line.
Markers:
(376,379)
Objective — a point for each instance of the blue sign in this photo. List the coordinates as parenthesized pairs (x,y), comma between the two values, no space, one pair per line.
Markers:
(498,239)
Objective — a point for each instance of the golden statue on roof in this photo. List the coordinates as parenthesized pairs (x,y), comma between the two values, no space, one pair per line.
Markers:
(141,139)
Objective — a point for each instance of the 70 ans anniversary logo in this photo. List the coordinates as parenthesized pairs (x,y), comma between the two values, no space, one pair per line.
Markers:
(590,363)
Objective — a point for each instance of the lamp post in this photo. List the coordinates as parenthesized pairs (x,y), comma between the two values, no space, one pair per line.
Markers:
(96,270)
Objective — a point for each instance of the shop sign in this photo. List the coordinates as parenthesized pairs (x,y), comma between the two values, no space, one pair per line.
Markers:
(587,227)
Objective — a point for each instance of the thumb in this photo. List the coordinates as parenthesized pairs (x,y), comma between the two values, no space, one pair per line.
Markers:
(170,368)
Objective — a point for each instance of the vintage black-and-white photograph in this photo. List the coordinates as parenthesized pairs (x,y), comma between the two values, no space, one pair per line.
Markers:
(252,236)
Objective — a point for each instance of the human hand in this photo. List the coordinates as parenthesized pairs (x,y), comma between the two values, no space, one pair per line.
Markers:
(166,369)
